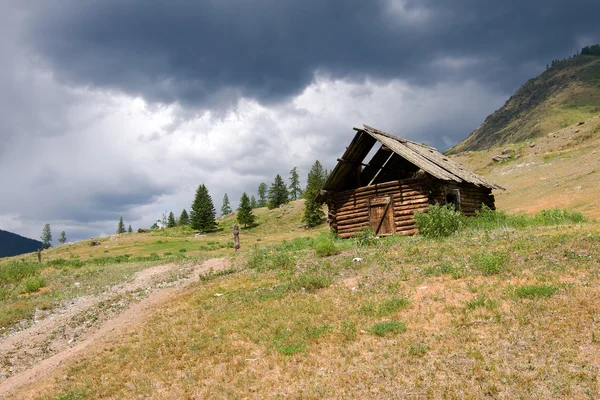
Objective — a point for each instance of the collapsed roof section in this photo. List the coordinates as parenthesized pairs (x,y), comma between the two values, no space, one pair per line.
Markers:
(396,159)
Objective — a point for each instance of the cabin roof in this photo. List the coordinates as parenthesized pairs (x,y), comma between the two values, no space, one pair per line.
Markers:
(422,156)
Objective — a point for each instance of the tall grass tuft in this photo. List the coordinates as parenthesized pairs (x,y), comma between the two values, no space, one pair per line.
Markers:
(534,291)
(439,221)
(325,246)
(490,263)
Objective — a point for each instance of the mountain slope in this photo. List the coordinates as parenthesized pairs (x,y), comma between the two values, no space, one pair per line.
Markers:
(564,94)
(12,244)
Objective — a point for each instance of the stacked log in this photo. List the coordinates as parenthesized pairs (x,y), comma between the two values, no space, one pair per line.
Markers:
(352,207)
(472,198)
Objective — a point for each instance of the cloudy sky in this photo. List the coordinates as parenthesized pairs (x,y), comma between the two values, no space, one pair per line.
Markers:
(123,107)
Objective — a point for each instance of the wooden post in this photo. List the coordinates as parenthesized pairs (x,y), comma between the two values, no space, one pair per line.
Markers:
(39,254)
(236,237)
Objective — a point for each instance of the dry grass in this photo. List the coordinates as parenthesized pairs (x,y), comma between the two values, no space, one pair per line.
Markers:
(467,335)
(560,171)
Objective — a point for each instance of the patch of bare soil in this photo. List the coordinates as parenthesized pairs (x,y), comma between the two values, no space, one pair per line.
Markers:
(37,351)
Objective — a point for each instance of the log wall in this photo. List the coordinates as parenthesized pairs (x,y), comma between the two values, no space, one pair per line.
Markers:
(349,210)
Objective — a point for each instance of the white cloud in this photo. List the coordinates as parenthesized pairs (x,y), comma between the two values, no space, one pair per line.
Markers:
(108,154)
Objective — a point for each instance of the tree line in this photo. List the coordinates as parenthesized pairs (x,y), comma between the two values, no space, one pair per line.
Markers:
(202,215)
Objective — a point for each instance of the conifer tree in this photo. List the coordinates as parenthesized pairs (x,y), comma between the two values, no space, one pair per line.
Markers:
(245,216)
(129,230)
(46,237)
(63,238)
(313,212)
(171,221)
(202,216)
(121,226)
(226,207)
(278,193)
(263,190)
(295,190)
(253,202)
(184,218)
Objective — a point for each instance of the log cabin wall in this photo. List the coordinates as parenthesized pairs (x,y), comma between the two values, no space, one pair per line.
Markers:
(352,210)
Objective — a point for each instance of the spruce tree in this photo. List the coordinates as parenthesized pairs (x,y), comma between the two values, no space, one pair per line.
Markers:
(253,202)
(202,216)
(129,230)
(313,212)
(245,216)
(171,221)
(121,226)
(184,218)
(226,207)
(46,237)
(63,238)
(262,194)
(278,193)
(295,191)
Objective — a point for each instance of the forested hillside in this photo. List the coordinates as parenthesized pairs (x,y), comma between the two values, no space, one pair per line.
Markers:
(12,244)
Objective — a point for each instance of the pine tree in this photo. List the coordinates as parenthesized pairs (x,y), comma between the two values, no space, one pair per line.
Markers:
(202,216)
(253,202)
(171,221)
(245,215)
(278,193)
(226,207)
(313,212)
(295,191)
(46,237)
(121,226)
(262,194)
(63,238)
(184,218)
(129,230)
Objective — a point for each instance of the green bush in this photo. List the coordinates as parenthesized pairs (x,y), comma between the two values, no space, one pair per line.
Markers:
(557,216)
(311,281)
(33,284)
(365,238)
(264,259)
(325,246)
(15,271)
(439,221)
(383,328)
(535,291)
(488,219)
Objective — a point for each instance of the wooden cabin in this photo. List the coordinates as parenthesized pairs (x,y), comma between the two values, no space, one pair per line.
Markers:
(400,178)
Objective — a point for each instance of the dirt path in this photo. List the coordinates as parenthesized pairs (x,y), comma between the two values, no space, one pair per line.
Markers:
(38,351)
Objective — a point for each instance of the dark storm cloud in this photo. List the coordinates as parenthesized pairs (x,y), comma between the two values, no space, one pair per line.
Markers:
(210,52)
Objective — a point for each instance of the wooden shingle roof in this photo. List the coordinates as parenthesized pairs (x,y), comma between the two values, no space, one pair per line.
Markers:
(424,157)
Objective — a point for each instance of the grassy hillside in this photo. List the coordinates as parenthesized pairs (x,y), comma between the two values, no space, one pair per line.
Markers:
(559,169)
(502,309)
(12,244)
(77,269)
(562,95)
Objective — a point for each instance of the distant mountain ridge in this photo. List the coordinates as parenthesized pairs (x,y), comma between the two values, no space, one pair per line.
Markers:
(566,93)
(12,244)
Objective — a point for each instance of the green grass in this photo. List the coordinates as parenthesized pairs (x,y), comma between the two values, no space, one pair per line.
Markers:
(490,263)
(388,327)
(386,307)
(534,291)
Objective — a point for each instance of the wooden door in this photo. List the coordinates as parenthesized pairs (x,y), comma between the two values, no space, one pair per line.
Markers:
(381,215)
